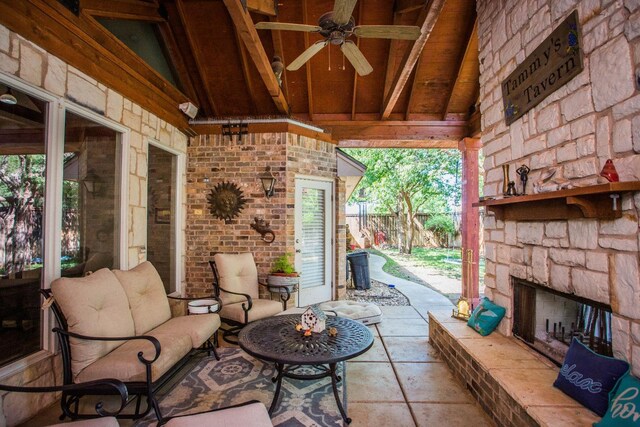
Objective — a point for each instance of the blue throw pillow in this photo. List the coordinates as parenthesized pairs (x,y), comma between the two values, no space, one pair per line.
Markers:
(588,377)
(486,316)
(624,408)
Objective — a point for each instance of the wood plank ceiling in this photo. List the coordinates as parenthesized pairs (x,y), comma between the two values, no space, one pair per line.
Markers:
(434,101)
(420,93)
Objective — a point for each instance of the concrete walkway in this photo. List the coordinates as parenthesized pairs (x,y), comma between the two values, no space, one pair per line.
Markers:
(422,298)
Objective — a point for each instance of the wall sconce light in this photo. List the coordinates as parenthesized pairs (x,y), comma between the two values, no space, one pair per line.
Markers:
(8,97)
(268,182)
(94,184)
(237,129)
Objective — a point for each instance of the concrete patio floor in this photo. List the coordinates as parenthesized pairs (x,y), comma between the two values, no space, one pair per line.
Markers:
(401,381)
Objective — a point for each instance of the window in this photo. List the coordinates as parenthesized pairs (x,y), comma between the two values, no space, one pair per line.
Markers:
(53,188)
(22,193)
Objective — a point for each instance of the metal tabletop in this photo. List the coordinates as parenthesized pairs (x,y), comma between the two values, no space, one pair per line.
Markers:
(275,339)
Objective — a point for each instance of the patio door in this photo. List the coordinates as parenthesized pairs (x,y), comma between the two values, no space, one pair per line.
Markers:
(313,239)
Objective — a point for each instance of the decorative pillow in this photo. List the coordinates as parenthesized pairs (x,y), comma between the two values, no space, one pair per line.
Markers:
(486,317)
(588,377)
(624,406)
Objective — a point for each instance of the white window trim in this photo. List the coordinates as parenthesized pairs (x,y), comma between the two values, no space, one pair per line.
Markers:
(54,149)
(181,160)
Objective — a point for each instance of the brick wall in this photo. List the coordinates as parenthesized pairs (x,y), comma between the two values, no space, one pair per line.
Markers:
(213,159)
(592,118)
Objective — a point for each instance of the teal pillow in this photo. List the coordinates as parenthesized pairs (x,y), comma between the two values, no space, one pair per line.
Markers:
(624,404)
(486,316)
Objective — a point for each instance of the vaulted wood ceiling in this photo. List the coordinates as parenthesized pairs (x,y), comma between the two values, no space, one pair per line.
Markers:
(419,94)
(397,101)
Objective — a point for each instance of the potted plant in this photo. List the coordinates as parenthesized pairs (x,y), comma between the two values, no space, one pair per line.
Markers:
(283,273)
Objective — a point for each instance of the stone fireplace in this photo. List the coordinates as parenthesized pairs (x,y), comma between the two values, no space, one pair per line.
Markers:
(548,320)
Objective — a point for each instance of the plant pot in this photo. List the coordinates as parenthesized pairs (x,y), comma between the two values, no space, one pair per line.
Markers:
(277,281)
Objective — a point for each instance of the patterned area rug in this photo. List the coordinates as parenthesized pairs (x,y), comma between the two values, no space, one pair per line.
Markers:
(238,377)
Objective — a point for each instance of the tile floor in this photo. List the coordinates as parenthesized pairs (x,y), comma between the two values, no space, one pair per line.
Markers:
(402,382)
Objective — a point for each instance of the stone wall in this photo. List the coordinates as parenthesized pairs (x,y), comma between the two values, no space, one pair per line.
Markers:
(592,118)
(33,65)
(213,159)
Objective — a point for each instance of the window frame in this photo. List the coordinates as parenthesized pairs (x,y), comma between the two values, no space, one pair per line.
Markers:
(57,107)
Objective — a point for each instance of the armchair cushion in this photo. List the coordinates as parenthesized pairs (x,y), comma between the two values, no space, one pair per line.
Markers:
(95,305)
(237,273)
(147,297)
(123,363)
(253,415)
(261,308)
(199,327)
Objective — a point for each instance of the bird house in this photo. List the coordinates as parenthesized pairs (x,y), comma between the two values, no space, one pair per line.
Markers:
(314,319)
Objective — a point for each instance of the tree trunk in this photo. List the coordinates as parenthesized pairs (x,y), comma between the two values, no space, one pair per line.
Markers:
(401,227)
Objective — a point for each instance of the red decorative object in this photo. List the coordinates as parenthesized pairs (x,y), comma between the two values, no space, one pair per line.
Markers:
(609,171)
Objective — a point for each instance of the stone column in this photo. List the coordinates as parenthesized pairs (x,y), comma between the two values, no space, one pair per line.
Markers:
(470,219)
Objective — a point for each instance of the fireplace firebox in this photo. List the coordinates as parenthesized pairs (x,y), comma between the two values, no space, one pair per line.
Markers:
(548,320)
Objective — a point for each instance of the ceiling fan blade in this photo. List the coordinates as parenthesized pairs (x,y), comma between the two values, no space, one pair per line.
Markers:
(342,10)
(266,25)
(401,32)
(307,55)
(356,58)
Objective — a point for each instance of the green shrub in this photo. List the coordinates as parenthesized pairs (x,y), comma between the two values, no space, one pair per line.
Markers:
(283,265)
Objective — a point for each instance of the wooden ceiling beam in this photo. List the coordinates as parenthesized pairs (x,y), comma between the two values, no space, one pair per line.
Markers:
(136,10)
(471,33)
(354,97)
(395,130)
(246,73)
(263,7)
(276,37)
(400,143)
(406,6)
(427,19)
(196,55)
(247,32)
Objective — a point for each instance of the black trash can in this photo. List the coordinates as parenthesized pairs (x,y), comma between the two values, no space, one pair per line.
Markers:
(359,263)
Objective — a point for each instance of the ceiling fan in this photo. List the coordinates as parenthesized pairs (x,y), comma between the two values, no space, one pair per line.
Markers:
(336,27)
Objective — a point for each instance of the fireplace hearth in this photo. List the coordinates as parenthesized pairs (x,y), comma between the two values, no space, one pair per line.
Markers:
(548,320)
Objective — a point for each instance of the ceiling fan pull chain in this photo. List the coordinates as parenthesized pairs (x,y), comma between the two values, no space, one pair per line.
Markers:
(343,67)
(329,53)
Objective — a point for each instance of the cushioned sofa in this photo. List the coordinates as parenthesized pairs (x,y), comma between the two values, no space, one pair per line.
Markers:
(118,324)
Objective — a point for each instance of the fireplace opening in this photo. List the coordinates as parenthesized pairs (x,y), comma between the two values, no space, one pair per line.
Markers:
(548,320)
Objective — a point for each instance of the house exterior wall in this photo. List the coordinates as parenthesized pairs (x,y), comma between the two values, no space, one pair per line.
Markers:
(594,117)
(214,159)
(23,59)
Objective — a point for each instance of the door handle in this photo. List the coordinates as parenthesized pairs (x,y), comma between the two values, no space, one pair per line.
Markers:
(298,251)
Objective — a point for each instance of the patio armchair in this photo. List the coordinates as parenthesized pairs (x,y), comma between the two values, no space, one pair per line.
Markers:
(235,282)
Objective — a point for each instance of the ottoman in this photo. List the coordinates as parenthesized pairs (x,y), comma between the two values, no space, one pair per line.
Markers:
(366,313)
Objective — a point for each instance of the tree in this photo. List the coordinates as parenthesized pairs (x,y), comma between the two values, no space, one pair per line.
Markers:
(404,182)
(21,189)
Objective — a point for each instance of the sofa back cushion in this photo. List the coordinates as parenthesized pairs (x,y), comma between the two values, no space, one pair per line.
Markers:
(236,273)
(95,305)
(147,297)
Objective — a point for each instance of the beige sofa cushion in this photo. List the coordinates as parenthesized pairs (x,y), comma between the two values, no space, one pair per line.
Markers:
(261,308)
(147,297)
(252,415)
(95,305)
(237,273)
(199,327)
(123,363)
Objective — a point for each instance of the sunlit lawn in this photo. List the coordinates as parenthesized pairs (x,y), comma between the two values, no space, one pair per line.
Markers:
(444,261)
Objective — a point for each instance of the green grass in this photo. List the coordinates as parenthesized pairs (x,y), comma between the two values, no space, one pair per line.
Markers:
(445,261)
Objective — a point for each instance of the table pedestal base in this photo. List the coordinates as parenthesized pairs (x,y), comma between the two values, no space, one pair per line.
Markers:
(326,371)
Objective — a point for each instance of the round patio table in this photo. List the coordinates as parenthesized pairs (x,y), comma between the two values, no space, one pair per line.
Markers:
(275,339)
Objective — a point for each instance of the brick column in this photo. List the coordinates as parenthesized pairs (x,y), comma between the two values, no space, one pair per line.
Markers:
(470,219)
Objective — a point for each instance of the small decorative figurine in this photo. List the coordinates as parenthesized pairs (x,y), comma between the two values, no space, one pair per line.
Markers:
(511,189)
(333,332)
(263,228)
(462,310)
(314,319)
(609,171)
(523,173)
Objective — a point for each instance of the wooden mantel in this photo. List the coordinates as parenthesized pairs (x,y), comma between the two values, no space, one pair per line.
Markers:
(596,201)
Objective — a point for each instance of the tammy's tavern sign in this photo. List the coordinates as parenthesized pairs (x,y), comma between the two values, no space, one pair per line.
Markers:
(557,60)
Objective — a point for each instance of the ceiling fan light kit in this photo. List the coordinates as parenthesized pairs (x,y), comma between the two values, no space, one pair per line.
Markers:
(337,27)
